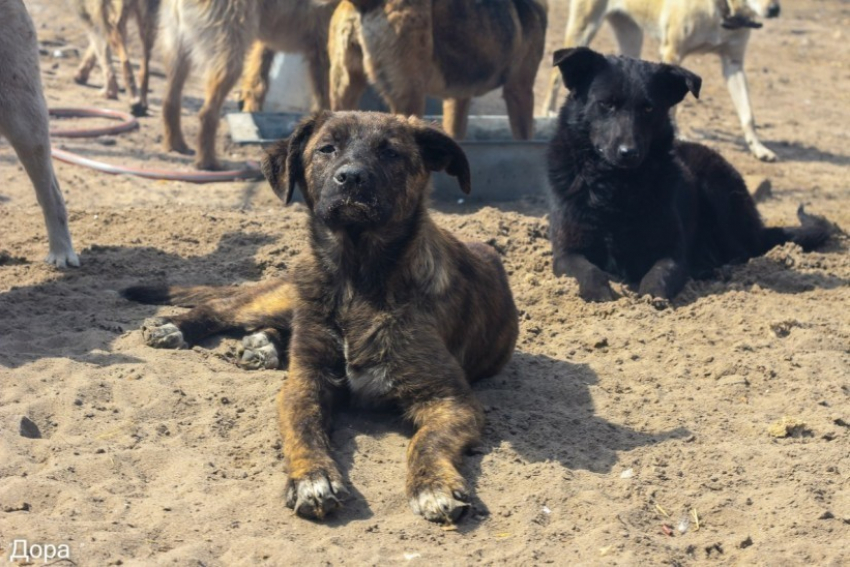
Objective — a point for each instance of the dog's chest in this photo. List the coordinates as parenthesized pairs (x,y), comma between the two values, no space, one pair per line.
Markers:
(369,342)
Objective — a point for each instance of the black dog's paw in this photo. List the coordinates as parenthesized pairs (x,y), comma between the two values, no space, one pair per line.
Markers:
(439,501)
(315,494)
(257,351)
(159,332)
(596,288)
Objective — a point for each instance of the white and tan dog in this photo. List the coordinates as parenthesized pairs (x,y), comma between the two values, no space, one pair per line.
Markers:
(24,122)
(682,27)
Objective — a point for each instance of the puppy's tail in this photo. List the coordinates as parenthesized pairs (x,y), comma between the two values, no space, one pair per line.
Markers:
(813,231)
(181,296)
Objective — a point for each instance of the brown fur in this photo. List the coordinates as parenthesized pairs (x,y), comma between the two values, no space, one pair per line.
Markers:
(217,34)
(384,307)
(106,23)
(452,49)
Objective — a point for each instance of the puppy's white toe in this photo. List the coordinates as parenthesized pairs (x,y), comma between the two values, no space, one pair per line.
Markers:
(438,504)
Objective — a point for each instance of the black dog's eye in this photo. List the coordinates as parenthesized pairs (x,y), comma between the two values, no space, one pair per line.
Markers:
(327,149)
(606,105)
(648,108)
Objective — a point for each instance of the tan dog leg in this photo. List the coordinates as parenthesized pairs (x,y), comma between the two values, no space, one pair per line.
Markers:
(255,79)
(147,32)
(177,71)
(584,21)
(221,77)
(736,81)
(118,38)
(347,73)
(86,65)
(456,116)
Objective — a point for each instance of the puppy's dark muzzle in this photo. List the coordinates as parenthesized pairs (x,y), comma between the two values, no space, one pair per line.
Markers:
(349,198)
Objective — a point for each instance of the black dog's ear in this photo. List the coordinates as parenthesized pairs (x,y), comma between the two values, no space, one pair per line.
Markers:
(578,65)
(675,82)
(440,152)
(283,164)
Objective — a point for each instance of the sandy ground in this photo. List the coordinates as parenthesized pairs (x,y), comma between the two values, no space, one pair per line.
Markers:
(611,421)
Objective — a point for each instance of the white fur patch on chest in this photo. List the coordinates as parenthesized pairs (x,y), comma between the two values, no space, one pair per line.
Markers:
(369,383)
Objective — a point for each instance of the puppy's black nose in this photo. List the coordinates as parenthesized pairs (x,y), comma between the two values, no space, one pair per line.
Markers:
(773,11)
(627,152)
(350,176)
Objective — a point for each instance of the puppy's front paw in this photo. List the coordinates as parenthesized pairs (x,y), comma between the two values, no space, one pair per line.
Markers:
(257,351)
(316,493)
(438,501)
(159,332)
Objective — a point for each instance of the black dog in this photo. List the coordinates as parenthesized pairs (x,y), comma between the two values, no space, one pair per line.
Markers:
(631,202)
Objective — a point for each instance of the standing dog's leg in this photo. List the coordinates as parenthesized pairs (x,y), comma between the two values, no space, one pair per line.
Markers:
(445,427)
(146,20)
(221,77)
(178,66)
(25,126)
(118,38)
(315,485)
(255,79)
(318,64)
(628,33)
(456,116)
(347,72)
(86,65)
(104,58)
(584,21)
(736,81)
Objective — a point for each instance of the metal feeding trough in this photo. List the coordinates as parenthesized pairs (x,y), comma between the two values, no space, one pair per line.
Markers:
(503,169)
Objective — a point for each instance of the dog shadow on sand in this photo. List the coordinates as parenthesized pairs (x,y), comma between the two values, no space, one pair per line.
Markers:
(79,314)
(538,409)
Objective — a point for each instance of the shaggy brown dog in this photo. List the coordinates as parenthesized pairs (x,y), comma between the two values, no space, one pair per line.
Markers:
(451,49)
(106,23)
(216,34)
(384,307)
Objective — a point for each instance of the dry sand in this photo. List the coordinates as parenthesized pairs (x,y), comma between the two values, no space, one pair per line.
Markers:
(611,421)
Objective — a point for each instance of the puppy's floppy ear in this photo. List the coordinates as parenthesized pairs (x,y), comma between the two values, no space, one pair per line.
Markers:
(675,82)
(578,65)
(283,164)
(440,152)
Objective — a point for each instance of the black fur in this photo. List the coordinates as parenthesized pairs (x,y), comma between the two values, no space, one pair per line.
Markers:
(630,202)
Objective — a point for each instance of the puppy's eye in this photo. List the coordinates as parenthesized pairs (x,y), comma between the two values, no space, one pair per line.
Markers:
(327,149)
(389,153)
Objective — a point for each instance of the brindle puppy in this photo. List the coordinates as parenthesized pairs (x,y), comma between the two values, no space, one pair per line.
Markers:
(384,306)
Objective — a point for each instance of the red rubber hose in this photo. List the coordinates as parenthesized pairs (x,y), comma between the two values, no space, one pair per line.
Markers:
(128,122)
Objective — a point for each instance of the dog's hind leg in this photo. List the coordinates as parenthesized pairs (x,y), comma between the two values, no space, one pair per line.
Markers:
(118,38)
(456,116)
(104,58)
(268,305)
(347,73)
(255,79)
(736,81)
(178,65)
(222,75)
